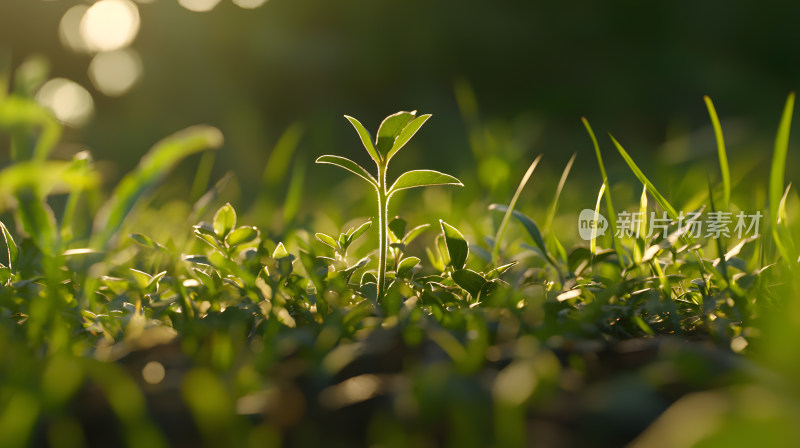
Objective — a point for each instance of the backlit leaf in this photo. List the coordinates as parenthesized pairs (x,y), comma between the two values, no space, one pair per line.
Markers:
(457,246)
(422,178)
(349,165)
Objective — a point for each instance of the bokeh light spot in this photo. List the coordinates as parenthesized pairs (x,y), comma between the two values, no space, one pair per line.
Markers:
(69,101)
(153,372)
(69,29)
(249,4)
(199,5)
(110,25)
(114,72)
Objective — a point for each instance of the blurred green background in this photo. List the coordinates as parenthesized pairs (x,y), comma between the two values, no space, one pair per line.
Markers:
(504,81)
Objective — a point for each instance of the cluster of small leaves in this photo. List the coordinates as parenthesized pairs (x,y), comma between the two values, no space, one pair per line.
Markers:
(258,343)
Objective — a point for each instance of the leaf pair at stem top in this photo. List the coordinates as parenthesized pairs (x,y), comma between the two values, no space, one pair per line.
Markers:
(394,132)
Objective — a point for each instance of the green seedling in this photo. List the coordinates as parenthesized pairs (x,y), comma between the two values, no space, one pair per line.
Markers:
(394,132)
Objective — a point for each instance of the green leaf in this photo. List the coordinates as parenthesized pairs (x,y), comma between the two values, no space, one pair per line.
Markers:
(142,279)
(358,232)
(366,139)
(21,113)
(723,157)
(11,247)
(551,211)
(327,240)
(528,223)
(280,252)
(414,233)
(470,281)
(501,230)
(405,135)
(397,227)
(349,165)
(673,214)
(776,181)
(43,179)
(422,178)
(457,247)
(152,168)
(390,129)
(242,235)
(612,217)
(405,266)
(146,241)
(278,163)
(37,220)
(224,220)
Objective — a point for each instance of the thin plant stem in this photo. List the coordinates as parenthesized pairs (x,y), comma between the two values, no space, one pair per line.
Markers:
(383,205)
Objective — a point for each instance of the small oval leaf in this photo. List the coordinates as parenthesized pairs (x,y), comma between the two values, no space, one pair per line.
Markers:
(390,129)
(327,240)
(224,220)
(405,266)
(241,236)
(423,178)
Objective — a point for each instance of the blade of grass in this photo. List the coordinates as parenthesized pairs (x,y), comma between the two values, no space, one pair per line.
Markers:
(551,213)
(278,163)
(153,167)
(502,229)
(723,157)
(673,214)
(776,181)
(612,217)
(593,241)
(202,176)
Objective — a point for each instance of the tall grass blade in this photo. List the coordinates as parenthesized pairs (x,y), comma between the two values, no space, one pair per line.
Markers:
(11,248)
(612,217)
(673,214)
(278,162)
(776,181)
(202,177)
(498,239)
(153,167)
(593,241)
(551,212)
(723,157)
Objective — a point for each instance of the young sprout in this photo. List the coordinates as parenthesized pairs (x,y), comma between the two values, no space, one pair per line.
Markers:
(394,132)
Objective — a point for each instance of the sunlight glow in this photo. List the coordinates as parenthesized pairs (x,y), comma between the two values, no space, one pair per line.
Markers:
(249,4)
(110,25)
(199,5)
(69,101)
(69,29)
(114,72)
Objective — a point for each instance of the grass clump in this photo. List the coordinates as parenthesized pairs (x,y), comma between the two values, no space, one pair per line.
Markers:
(224,334)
